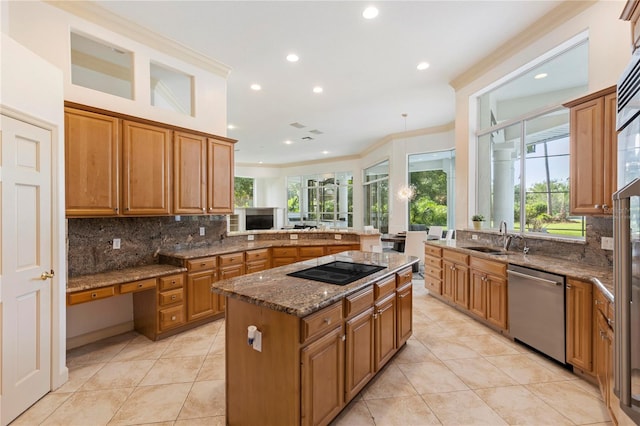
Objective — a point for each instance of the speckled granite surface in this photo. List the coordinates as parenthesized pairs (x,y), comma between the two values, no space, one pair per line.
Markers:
(601,276)
(103,279)
(232,246)
(276,290)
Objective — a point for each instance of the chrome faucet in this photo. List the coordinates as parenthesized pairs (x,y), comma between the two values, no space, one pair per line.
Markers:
(503,224)
(506,238)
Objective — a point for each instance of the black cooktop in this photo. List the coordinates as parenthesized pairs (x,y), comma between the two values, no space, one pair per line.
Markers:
(337,272)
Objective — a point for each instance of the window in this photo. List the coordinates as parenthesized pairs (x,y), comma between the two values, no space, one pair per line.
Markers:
(100,66)
(376,196)
(522,158)
(243,191)
(324,200)
(432,177)
(171,89)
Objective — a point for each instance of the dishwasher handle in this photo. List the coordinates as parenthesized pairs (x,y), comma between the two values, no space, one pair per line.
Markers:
(540,281)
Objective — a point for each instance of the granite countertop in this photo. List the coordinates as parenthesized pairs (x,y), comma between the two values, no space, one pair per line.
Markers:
(103,279)
(233,247)
(300,297)
(602,277)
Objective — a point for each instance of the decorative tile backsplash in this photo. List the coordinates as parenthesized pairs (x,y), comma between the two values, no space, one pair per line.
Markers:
(587,251)
(90,241)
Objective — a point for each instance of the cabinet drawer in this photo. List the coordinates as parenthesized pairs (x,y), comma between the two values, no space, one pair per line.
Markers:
(201,264)
(311,251)
(455,256)
(284,252)
(170,282)
(432,262)
(138,286)
(382,288)
(320,322)
(433,272)
(488,266)
(169,297)
(89,295)
(434,285)
(358,302)
(432,251)
(261,254)
(231,259)
(171,317)
(404,277)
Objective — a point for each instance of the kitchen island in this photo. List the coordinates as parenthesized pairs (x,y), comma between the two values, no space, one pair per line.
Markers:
(318,344)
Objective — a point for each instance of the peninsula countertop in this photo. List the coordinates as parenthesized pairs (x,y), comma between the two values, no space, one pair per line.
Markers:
(300,297)
(600,276)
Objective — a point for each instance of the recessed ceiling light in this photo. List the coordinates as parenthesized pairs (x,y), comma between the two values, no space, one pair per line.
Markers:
(230,126)
(317,89)
(423,66)
(541,75)
(325,152)
(259,162)
(288,142)
(256,87)
(292,57)
(370,12)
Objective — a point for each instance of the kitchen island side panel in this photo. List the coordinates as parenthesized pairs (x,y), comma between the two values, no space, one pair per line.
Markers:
(262,387)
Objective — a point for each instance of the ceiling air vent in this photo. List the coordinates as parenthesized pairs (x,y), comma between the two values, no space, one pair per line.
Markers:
(297,125)
(316,132)
(307,138)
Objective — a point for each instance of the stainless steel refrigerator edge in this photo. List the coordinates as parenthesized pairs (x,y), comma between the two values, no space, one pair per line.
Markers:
(626,228)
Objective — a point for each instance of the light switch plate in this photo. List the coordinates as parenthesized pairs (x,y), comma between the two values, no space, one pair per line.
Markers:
(116,243)
(202,231)
(606,243)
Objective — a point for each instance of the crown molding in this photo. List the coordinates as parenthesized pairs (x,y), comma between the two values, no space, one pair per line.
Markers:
(552,20)
(100,16)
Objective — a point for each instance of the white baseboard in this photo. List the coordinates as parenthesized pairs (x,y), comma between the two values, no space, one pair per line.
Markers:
(94,336)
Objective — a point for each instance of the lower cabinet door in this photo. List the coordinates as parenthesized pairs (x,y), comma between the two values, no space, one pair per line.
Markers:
(405,313)
(385,328)
(323,378)
(360,365)
(497,301)
(201,302)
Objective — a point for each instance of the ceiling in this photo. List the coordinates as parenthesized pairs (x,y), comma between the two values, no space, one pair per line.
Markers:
(367,68)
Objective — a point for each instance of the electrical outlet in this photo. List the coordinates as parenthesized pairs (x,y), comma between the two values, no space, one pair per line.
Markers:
(338,236)
(202,231)
(116,243)
(250,237)
(474,237)
(606,243)
(293,236)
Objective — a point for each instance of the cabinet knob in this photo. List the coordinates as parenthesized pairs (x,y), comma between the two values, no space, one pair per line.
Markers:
(203,210)
(327,321)
(605,207)
(568,286)
(173,297)
(173,282)
(597,206)
(94,295)
(173,318)
(115,210)
(126,208)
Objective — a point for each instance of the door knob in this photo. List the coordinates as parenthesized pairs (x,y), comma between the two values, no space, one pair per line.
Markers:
(46,275)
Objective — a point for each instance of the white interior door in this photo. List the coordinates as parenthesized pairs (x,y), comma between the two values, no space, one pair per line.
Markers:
(25,185)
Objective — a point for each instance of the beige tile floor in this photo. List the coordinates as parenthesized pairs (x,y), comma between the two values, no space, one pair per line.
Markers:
(453,371)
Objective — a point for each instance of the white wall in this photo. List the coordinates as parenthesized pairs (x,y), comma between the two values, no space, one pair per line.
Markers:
(609,51)
(32,91)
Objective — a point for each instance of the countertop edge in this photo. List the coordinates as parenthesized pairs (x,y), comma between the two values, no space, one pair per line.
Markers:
(121,276)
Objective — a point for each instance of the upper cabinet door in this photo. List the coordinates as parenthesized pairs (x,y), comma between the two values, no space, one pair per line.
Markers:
(91,163)
(190,173)
(146,153)
(221,174)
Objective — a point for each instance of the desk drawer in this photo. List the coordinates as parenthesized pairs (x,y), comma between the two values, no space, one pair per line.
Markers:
(201,264)
(171,281)
(231,259)
(321,322)
(253,255)
(138,286)
(171,317)
(170,297)
(90,295)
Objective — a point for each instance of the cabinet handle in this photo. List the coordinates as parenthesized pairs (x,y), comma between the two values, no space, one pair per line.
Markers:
(327,321)
(344,337)
(126,208)
(94,295)
(568,286)
(597,206)
(597,302)
(173,318)
(605,207)
(173,282)
(203,210)
(173,297)
(139,285)
(115,210)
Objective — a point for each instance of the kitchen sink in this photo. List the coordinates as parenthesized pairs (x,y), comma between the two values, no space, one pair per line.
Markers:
(487,250)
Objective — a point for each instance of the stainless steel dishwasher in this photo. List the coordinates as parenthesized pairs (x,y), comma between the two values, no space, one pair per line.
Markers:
(537,310)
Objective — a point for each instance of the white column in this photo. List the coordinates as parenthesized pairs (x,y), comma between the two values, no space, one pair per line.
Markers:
(503,183)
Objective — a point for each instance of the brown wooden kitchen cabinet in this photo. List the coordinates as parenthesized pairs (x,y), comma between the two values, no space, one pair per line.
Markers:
(593,153)
(579,324)
(433,269)
(257,260)
(455,277)
(488,290)
(404,301)
(92,163)
(146,161)
(360,341)
(603,350)
(189,173)
(231,265)
(283,256)
(385,321)
(201,302)
(220,171)
(161,311)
